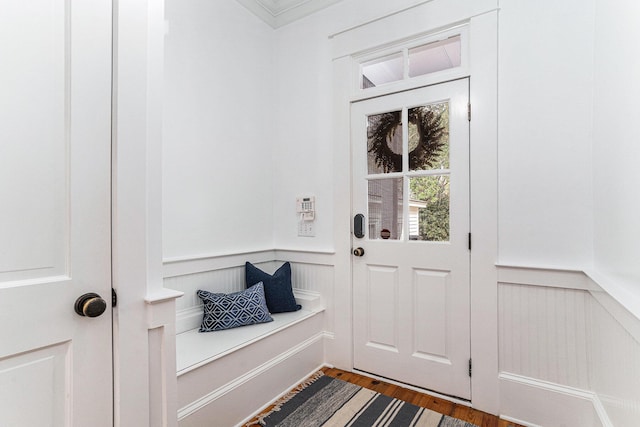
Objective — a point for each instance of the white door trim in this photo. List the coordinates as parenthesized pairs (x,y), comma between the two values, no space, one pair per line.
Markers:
(145,382)
(482,19)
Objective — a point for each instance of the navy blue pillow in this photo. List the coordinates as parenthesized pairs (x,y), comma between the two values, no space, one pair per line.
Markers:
(277,287)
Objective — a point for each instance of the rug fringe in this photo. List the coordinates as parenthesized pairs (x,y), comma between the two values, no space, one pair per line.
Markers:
(287,397)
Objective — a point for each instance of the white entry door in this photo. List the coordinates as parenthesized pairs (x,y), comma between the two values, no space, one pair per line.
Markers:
(55,148)
(410,154)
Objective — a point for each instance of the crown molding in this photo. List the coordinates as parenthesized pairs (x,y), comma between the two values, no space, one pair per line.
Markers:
(277,13)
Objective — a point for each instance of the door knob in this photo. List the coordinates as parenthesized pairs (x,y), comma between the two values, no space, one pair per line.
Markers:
(90,305)
(358,251)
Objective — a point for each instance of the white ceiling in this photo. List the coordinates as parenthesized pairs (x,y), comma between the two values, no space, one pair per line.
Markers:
(281,12)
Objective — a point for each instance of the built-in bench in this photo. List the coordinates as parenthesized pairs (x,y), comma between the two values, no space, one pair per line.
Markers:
(226,377)
(196,348)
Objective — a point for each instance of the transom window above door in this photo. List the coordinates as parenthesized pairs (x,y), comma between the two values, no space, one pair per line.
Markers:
(420,59)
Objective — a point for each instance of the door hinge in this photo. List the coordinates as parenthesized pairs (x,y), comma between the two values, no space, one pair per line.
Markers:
(469,367)
(114,298)
(469,111)
(469,241)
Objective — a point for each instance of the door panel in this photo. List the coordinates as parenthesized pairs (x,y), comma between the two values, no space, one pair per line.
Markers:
(34,144)
(382,296)
(37,379)
(430,308)
(55,128)
(411,287)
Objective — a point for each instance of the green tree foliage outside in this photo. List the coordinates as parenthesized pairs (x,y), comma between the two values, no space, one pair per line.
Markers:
(434,190)
(434,219)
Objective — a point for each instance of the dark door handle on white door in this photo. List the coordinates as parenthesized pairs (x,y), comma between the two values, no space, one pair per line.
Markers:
(90,305)
(358,251)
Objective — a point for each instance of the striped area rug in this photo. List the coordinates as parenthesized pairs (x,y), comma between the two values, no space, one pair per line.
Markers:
(330,402)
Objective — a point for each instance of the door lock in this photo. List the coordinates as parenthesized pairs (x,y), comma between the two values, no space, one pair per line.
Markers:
(358,251)
(358,226)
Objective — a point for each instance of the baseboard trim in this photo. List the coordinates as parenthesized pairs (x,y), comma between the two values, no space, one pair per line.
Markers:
(517,421)
(602,413)
(521,400)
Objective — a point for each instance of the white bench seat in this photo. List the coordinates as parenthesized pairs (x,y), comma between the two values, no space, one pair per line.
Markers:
(199,348)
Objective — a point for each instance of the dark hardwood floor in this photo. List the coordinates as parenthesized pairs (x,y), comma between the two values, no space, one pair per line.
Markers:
(442,406)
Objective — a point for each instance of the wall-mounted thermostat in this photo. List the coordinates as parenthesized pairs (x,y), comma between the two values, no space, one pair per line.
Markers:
(306,208)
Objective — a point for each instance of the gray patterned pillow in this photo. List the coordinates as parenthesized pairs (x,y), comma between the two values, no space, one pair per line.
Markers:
(225,311)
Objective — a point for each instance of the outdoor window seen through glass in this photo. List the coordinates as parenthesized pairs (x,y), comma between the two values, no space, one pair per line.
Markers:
(385,209)
(429,208)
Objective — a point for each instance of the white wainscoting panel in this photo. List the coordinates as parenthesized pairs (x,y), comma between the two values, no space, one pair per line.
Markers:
(543,333)
(615,361)
(536,403)
(225,280)
(313,272)
(311,277)
(564,340)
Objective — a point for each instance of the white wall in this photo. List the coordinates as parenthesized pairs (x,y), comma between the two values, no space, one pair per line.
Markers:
(303,147)
(218,130)
(303,144)
(616,148)
(247,126)
(545,82)
(545,127)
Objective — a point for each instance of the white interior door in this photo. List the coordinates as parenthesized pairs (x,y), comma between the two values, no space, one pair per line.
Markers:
(55,148)
(411,284)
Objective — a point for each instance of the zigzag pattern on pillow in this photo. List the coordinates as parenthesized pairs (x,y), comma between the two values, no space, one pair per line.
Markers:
(225,311)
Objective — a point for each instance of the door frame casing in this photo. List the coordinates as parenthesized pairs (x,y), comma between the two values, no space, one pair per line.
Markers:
(145,382)
(481,18)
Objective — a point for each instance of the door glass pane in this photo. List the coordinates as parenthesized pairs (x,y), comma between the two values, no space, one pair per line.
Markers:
(429,137)
(382,70)
(428,208)
(436,56)
(384,146)
(385,209)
